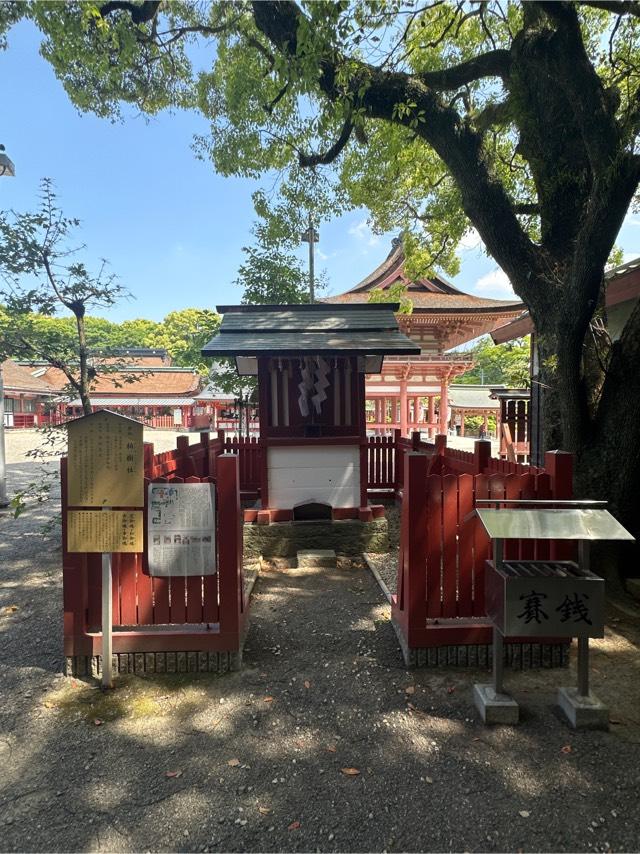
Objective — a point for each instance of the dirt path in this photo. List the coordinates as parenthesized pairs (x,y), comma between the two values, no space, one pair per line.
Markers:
(255,759)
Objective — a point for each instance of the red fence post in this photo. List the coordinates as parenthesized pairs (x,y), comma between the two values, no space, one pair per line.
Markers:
(148,459)
(415,440)
(415,567)
(441,444)
(481,455)
(559,466)
(230,549)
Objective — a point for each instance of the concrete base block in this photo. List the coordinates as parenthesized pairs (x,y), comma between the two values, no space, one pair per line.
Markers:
(582,712)
(495,708)
(311,558)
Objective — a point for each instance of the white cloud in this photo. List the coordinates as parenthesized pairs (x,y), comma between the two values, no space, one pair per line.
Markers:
(470,240)
(362,230)
(494,284)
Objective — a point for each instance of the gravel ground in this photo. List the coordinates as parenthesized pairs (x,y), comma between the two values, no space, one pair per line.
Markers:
(266,759)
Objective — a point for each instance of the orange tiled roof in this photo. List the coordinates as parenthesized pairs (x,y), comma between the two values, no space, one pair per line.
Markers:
(145,381)
(435,294)
(18,378)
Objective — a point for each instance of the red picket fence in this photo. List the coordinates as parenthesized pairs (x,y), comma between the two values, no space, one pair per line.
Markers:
(250,455)
(197,614)
(443,547)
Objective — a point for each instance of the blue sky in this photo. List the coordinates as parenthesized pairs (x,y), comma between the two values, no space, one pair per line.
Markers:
(170,227)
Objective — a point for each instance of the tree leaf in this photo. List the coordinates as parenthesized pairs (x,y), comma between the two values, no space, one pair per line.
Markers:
(172,774)
(350,772)
(294,825)
(233,763)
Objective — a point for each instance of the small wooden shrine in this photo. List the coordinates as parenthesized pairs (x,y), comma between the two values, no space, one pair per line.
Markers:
(311,362)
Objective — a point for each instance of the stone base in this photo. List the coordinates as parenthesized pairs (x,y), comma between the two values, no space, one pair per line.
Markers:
(147,663)
(582,712)
(517,656)
(320,557)
(348,537)
(495,708)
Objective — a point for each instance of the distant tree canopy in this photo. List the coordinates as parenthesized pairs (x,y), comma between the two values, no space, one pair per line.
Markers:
(182,333)
(499,364)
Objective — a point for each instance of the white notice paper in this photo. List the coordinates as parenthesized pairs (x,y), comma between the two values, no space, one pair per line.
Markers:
(181,529)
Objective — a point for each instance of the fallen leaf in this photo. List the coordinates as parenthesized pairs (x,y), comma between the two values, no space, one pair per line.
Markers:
(524,813)
(566,749)
(614,721)
(428,780)
(294,825)
(97,721)
(410,689)
(48,704)
(307,684)
(331,748)
(450,690)
(173,773)
(233,763)
(264,810)
(268,699)
(350,772)
(11,609)
(411,707)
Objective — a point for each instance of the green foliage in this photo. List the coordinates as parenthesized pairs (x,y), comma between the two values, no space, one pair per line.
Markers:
(394,293)
(499,364)
(183,334)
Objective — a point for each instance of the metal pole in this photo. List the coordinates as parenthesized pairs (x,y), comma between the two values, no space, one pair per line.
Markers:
(312,296)
(107,620)
(498,661)
(4,498)
(583,667)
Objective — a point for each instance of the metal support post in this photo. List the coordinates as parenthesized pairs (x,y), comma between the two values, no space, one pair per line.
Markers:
(498,662)
(583,667)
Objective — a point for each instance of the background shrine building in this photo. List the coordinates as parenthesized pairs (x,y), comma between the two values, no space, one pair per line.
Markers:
(412,392)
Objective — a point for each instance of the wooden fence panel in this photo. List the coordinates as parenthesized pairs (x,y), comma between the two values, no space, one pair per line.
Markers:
(434,546)
(449,545)
(465,545)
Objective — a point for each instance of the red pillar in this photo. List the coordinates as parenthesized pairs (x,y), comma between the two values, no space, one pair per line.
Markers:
(404,421)
(444,405)
(431,416)
(462,422)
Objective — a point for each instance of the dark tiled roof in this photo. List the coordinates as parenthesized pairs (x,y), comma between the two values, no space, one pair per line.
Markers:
(295,329)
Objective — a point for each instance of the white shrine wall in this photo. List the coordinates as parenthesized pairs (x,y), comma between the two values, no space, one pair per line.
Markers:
(324,473)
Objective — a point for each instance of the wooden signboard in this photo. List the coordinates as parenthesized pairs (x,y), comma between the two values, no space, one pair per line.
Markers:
(106,466)
(104,531)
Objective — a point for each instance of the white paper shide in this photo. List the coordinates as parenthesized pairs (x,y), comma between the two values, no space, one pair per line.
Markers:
(181,529)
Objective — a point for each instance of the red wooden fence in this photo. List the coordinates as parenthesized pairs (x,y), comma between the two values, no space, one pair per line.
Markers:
(177,614)
(443,548)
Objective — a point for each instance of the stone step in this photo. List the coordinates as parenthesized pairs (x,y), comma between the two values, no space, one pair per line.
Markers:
(317,557)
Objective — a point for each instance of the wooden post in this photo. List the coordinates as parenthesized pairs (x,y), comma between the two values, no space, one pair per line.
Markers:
(462,413)
(415,505)
(404,425)
(481,455)
(441,444)
(559,466)
(415,440)
(431,414)
(229,548)
(444,405)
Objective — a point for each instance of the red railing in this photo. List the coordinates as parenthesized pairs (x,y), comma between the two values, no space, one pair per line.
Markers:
(443,548)
(176,614)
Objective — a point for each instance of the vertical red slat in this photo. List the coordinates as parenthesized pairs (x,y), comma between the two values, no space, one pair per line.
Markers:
(128,610)
(480,549)
(210,611)
(116,560)
(194,586)
(465,546)
(449,544)
(144,594)
(512,490)
(434,545)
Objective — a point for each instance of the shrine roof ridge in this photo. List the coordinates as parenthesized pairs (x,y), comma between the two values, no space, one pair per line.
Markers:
(338,308)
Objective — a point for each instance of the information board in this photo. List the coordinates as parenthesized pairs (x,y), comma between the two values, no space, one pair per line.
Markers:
(181,529)
(104,531)
(105,461)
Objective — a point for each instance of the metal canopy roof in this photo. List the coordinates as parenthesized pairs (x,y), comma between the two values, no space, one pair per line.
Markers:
(292,330)
(580,524)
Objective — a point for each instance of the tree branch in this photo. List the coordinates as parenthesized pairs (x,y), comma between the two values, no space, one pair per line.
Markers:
(377,93)
(140,13)
(617,7)
(494,63)
(331,153)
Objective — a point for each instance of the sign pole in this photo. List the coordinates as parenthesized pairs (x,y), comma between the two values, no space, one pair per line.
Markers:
(107,619)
